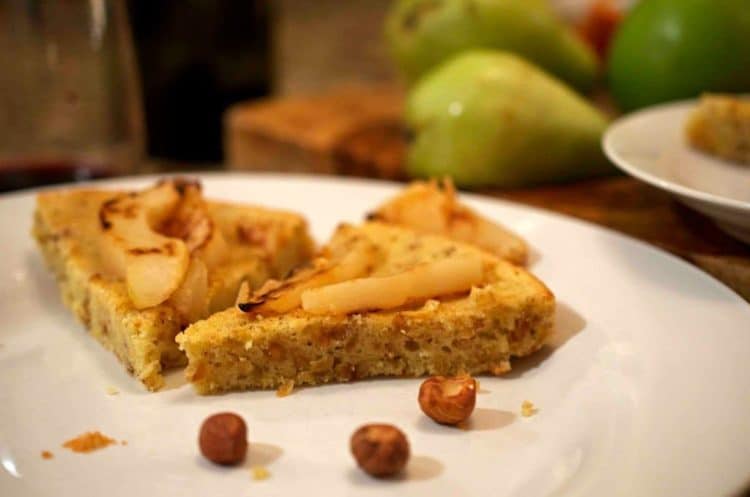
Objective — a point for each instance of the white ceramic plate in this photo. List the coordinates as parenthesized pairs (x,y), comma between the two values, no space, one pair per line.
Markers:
(644,391)
(650,145)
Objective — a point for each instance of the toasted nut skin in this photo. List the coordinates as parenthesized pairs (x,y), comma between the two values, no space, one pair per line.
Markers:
(223,438)
(381,450)
(448,400)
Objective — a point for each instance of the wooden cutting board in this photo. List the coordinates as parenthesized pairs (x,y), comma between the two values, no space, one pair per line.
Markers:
(357,131)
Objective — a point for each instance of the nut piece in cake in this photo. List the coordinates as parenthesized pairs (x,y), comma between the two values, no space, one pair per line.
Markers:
(434,208)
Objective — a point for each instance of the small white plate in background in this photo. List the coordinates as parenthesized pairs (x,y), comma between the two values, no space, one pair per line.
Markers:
(651,146)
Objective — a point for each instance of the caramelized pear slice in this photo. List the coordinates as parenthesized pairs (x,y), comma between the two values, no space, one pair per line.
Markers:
(152,264)
(423,281)
(192,223)
(191,297)
(427,208)
(276,297)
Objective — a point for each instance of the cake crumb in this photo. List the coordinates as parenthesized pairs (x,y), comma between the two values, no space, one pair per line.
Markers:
(285,389)
(47,454)
(260,473)
(123,442)
(112,390)
(528,409)
(89,441)
(431,305)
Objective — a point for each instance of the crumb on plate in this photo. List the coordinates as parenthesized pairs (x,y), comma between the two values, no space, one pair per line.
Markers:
(89,441)
(285,389)
(47,454)
(260,473)
(528,409)
(112,391)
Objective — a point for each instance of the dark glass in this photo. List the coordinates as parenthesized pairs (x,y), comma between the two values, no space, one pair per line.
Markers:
(30,172)
(69,99)
(196,58)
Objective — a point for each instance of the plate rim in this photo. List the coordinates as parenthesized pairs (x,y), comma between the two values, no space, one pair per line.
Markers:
(611,151)
(653,251)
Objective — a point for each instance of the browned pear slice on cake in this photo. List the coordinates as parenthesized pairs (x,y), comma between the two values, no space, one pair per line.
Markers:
(354,259)
(152,264)
(429,208)
(431,279)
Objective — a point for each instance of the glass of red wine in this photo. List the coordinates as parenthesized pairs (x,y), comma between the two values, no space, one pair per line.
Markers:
(70,106)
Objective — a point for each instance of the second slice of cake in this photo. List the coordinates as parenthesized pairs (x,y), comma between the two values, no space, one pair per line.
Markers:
(379,300)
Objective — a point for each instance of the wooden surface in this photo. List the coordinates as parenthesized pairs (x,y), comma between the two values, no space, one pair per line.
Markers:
(357,131)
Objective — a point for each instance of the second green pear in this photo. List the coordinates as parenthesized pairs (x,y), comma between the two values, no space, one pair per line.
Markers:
(424,33)
(489,118)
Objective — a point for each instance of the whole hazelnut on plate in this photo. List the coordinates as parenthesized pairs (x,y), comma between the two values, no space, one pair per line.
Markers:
(448,400)
(381,450)
(223,438)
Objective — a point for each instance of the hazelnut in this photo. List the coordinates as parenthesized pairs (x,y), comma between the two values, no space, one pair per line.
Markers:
(223,438)
(448,400)
(381,450)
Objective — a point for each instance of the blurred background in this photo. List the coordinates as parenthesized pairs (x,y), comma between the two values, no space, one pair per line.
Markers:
(508,97)
(109,87)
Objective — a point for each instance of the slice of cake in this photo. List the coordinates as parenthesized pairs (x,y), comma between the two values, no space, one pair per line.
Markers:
(379,300)
(138,267)
(720,126)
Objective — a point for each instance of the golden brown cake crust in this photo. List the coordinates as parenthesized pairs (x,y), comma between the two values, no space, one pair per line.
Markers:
(66,227)
(510,315)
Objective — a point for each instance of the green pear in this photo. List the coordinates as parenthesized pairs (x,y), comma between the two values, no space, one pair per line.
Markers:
(490,118)
(423,33)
